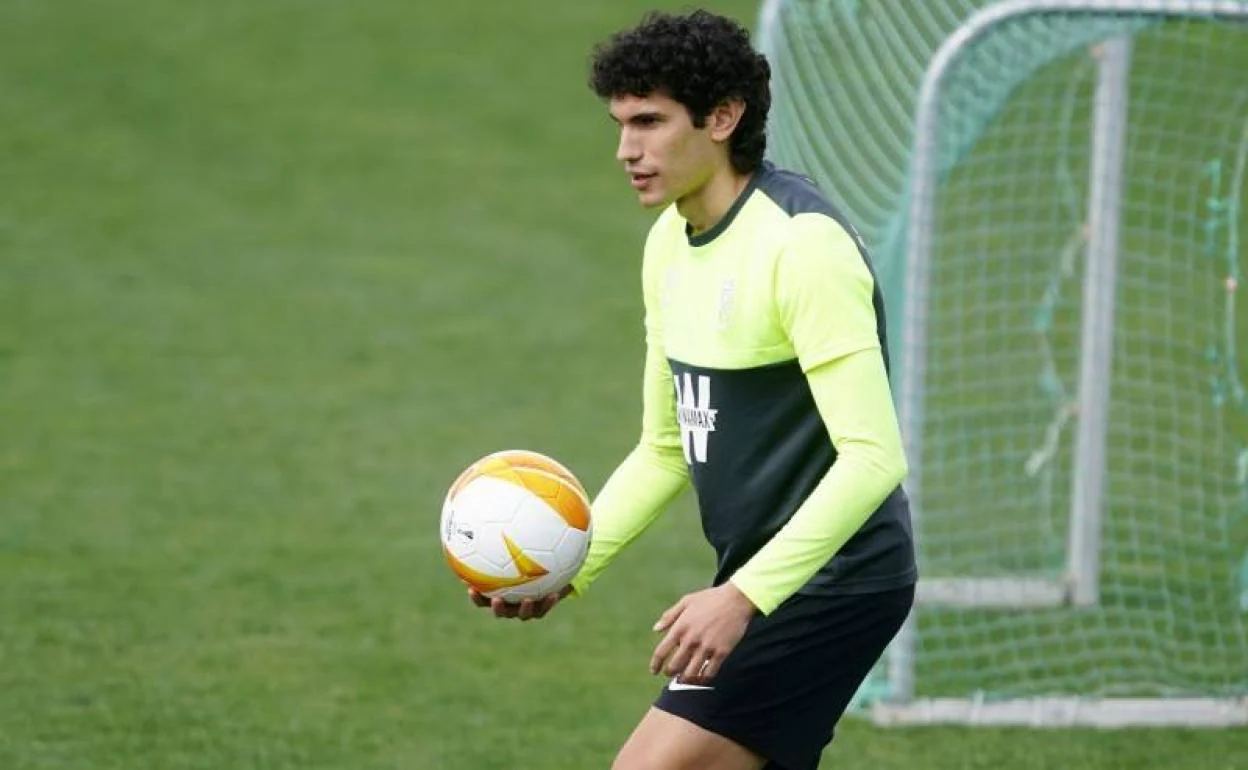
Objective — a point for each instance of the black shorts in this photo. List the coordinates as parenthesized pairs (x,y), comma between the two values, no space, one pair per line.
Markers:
(783,688)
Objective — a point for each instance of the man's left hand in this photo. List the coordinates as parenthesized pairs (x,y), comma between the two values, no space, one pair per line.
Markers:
(702,628)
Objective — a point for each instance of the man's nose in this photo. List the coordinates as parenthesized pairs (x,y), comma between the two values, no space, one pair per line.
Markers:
(629,149)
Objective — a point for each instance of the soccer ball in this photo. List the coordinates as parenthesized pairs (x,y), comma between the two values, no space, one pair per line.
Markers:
(516,525)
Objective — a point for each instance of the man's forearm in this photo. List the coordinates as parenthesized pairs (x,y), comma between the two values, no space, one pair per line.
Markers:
(637,492)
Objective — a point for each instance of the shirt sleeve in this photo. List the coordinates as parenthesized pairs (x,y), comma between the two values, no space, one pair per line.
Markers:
(824,293)
(653,474)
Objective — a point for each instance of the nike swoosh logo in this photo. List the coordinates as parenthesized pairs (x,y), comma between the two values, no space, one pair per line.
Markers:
(676,685)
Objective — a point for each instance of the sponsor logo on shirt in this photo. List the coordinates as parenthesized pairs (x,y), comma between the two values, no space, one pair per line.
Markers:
(695,415)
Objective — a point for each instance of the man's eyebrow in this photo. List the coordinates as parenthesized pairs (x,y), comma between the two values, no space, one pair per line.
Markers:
(639,117)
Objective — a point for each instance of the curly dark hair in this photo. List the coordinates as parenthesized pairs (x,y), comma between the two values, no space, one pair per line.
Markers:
(700,60)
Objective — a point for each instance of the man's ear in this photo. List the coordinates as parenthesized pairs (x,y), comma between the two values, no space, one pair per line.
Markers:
(724,118)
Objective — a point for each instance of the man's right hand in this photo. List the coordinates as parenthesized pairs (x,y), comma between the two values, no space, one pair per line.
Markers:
(527,609)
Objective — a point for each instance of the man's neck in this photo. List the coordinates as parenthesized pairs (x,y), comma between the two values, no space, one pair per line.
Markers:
(705,208)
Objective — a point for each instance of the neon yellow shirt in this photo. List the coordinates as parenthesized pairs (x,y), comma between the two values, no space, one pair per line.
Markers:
(766,386)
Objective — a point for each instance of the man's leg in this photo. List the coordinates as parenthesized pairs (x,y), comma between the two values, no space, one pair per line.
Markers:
(666,742)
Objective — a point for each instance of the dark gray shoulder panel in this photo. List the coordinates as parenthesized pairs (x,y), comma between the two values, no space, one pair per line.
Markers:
(795,194)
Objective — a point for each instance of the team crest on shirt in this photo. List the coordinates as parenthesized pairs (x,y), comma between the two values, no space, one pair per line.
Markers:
(694,415)
(665,290)
(726,291)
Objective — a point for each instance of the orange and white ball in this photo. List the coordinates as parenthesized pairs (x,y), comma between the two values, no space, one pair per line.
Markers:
(516,525)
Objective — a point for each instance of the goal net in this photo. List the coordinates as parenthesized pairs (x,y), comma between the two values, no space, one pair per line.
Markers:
(1061,243)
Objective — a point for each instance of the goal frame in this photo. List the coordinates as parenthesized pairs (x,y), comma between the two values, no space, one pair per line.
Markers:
(1080,586)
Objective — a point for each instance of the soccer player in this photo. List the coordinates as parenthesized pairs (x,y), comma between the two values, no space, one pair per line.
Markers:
(765,385)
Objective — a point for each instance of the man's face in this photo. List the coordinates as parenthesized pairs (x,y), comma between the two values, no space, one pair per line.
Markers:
(665,156)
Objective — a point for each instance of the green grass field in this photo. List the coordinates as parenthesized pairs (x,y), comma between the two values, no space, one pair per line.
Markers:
(271,274)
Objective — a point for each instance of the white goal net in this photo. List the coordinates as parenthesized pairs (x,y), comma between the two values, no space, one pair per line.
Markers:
(1069,339)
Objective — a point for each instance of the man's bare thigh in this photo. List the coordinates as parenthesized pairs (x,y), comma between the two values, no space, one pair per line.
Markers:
(662,741)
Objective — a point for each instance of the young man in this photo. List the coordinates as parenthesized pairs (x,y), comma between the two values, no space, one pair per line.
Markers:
(766,385)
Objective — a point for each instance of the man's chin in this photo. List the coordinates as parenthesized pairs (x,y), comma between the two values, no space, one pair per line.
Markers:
(652,200)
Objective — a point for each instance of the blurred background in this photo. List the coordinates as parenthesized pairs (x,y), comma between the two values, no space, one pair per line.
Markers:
(271,274)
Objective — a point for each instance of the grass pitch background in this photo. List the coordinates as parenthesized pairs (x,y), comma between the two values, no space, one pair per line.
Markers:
(271,273)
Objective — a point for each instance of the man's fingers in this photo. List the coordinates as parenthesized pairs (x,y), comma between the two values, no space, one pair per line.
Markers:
(662,651)
(503,609)
(701,668)
(710,667)
(693,669)
(527,609)
(669,617)
(546,605)
(681,659)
